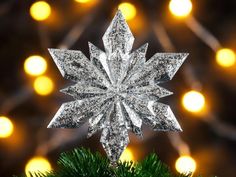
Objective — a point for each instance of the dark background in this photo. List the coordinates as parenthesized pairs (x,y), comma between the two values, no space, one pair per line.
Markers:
(21,36)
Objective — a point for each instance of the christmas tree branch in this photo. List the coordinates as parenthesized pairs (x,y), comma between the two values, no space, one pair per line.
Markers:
(83,163)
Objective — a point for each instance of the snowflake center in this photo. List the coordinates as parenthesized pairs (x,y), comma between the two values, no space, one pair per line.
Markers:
(116,90)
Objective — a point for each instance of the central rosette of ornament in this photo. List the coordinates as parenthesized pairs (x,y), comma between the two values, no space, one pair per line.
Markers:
(117,91)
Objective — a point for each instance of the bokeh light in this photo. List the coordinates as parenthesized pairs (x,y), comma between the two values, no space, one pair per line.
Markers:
(127,155)
(37,164)
(193,101)
(6,127)
(180,8)
(40,10)
(128,10)
(83,1)
(225,57)
(185,165)
(35,65)
(43,85)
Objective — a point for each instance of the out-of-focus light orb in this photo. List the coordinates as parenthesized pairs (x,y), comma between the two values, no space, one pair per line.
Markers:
(43,85)
(225,57)
(35,65)
(180,8)
(185,165)
(127,155)
(6,127)
(83,1)
(128,10)
(40,10)
(193,101)
(37,164)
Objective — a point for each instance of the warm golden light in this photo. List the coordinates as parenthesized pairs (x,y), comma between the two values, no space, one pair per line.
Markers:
(37,164)
(127,155)
(193,101)
(225,57)
(6,127)
(35,65)
(180,8)
(43,85)
(185,165)
(128,10)
(40,10)
(83,1)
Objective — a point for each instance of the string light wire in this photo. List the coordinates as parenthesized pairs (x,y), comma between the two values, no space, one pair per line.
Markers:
(202,33)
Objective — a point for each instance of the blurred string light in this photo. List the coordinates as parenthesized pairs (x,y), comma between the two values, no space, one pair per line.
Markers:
(37,164)
(225,57)
(6,127)
(35,65)
(83,1)
(40,10)
(180,8)
(185,165)
(128,10)
(43,85)
(193,101)
(127,155)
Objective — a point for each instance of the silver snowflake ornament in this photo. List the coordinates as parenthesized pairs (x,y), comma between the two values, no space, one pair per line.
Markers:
(116,90)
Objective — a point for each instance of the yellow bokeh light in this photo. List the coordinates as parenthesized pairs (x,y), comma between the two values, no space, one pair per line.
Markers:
(193,101)
(43,85)
(225,57)
(127,155)
(180,8)
(128,10)
(35,65)
(6,127)
(83,1)
(37,164)
(40,10)
(185,165)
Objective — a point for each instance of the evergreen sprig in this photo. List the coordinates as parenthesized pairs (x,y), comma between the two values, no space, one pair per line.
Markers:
(83,163)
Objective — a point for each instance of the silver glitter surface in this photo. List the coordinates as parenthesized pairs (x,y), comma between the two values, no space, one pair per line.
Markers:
(116,90)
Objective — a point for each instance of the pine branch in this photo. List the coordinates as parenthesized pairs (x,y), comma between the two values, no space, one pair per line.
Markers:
(83,163)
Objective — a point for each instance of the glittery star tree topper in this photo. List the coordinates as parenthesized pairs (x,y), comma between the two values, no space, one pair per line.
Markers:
(116,90)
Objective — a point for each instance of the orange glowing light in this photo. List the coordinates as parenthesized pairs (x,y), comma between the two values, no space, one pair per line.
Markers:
(180,8)
(128,10)
(6,127)
(37,164)
(193,101)
(185,164)
(127,155)
(43,85)
(35,65)
(225,57)
(40,10)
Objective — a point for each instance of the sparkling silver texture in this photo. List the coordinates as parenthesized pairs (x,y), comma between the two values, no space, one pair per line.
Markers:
(116,90)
